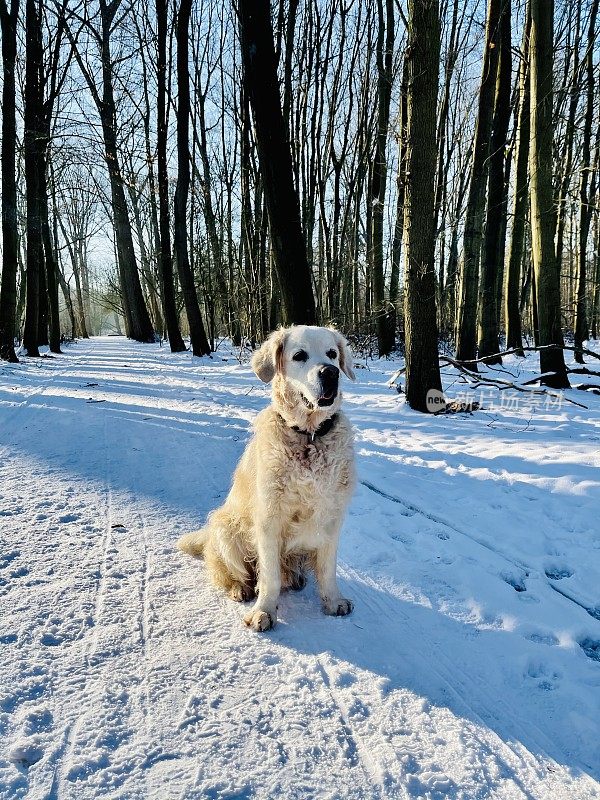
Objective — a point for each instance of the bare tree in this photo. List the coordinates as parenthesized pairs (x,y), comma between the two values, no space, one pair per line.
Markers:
(466,333)
(492,263)
(512,282)
(33,177)
(165,258)
(547,283)
(287,241)
(8,289)
(585,211)
(200,345)
(422,364)
(385,54)
(137,319)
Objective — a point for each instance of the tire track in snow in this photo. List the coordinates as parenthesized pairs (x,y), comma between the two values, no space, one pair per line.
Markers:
(123,572)
(52,370)
(73,728)
(357,749)
(356,745)
(593,612)
(471,694)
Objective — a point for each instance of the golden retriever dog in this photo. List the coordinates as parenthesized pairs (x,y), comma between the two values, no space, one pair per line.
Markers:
(293,483)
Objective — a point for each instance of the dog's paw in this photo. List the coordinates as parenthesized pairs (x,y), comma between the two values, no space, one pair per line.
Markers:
(338,608)
(260,620)
(241,592)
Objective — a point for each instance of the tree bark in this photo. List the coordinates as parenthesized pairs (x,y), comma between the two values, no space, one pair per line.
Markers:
(566,157)
(547,278)
(137,320)
(512,281)
(422,363)
(466,334)
(51,276)
(287,241)
(596,297)
(492,264)
(200,345)
(136,313)
(401,190)
(385,52)
(585,210)
(32,138)
(165,259)
(10,243)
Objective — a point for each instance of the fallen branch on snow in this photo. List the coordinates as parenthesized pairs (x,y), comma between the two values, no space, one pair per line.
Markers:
(476,381)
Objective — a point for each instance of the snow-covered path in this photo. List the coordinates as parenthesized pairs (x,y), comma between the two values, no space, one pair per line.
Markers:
(469,669)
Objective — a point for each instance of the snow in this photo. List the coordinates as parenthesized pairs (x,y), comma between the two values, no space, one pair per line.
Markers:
(470,667)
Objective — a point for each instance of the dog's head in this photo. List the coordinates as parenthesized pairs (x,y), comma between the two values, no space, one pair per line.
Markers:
(304,363)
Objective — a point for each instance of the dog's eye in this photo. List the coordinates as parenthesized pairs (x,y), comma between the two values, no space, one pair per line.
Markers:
(301,355)
(331,354)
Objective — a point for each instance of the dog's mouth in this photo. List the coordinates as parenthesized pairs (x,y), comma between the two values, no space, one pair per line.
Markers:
(327,399)
(324,400)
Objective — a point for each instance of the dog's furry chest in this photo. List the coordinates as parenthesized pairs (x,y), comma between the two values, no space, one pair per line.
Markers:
(318,477)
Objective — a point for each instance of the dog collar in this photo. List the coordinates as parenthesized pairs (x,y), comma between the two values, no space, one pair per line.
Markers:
(322,430)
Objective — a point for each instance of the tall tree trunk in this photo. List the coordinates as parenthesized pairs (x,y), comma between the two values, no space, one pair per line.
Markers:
(385,52)
(401,190)
(547,278)
(512,281)
(492,264)
(466,333)
(32,137)
(137,320)
(287,241)
(59,270)
(10,243)
(51,273)
(562,205)
(422,362)
(596,299)
(51,276)
(165,259)
(137,317)
(200,345)
(451,57)
(585,210)
(43,310)
(74,254)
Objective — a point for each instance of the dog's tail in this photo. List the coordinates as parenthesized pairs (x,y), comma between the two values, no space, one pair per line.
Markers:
(194,543)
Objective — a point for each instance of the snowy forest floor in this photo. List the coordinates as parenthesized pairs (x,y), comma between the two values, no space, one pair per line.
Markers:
(469,669)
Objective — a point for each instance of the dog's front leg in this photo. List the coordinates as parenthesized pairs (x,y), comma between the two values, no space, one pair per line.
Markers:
(326,561)
(264,613)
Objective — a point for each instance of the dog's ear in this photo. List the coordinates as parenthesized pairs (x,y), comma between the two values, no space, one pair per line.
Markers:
(268,359)
(345,355)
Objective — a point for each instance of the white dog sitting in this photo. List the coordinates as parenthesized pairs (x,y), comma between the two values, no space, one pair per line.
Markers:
(294,481)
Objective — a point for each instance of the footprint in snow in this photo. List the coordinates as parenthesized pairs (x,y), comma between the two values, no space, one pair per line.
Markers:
(11,512)
(270,660)
(26,752)
(516,581)
(591,647)
(20,572)
(6,559)
(543,638)
(49,639)
(547,679)
(344,680)
(69,518)
(557,573)
(358,710)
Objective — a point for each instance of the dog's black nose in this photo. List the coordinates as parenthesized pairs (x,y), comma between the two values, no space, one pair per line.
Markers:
(328,372)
